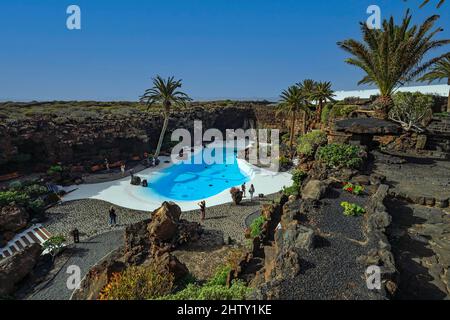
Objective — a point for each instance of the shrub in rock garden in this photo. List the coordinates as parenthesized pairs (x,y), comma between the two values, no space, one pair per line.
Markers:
(214,289)
(18,197)
(298,176)
(139,283)
(340,156)
(352,209)
(308,143)
(256,228)
(353,189)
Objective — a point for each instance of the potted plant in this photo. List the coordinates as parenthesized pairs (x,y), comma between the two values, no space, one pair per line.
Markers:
(237,195)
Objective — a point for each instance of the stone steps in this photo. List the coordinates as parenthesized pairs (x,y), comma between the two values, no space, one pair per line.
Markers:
(35,234)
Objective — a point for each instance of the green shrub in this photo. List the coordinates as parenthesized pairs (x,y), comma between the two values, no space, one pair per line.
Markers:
(237,291)
(138,283)
(55,170)
(8,197)
(354,189)
(256,226)
(37,206)
(35,190)
(54,244)
(220,277)
(285,162)
(324,117)
(352,209)
(342,111)
(340,155)
(16,185)
(308,143)
(298,176)
(293,190)
(412,110)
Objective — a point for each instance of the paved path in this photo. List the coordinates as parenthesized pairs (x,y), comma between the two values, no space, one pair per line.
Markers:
(98,239)
(84,255)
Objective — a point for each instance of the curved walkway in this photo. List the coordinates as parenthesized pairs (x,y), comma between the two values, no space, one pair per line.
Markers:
(84,255)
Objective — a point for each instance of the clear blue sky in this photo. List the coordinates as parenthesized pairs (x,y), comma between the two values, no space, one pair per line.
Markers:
(220,48)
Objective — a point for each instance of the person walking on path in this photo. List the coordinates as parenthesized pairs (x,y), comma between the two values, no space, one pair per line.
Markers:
(122,169)
(243,187)
(251,191)
(202,206)
(112,217)
(107,164)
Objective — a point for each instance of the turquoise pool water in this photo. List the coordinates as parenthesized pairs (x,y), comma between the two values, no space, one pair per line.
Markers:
(191,182)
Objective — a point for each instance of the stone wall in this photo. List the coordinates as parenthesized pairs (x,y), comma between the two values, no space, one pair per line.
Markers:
(36,142)
(439,134)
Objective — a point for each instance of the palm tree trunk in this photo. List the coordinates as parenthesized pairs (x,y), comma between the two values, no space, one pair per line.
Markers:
(291,142)
(448,101)
(304,122)
(319,111)
(163,133)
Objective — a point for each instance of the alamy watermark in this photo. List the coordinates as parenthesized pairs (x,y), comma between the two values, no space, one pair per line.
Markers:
(374,20)
(74,279)
(373,278)
(73,21)
(258,147)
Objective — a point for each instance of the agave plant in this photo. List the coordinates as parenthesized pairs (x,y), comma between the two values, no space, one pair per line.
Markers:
(439,71)
(166,92)
(394,55)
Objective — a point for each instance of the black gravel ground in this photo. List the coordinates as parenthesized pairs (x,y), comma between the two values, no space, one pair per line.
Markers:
(330,219)
(329,273)
(331,270)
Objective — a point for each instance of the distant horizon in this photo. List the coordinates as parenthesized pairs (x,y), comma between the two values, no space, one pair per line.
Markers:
(221,49)
(438,89)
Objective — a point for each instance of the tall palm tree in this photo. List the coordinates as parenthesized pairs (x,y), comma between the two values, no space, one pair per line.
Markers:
(439,71)
(322,94)
(425,2)
(292,101)
(308,87)
(393,55)
(165,92)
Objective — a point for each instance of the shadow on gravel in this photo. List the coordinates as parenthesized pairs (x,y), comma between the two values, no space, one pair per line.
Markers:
(415,281)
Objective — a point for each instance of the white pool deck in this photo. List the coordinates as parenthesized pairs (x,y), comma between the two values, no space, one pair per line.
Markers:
(123,194)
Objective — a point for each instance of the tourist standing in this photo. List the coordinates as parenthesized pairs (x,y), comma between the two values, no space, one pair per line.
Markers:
(112,217)
(202,206)
(107,164)
(244,187)
(251,191)
(122,169)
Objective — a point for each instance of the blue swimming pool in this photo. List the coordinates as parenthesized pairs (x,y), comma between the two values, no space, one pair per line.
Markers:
(191,181)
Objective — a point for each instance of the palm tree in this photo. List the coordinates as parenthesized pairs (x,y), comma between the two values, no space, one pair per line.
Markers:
(322,94)
(425,2)
(393,55)
(166,93)
(292,101)
(308,87)
(440,71)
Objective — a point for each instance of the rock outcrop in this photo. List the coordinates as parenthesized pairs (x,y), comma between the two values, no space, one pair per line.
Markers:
(12,219)
(149,241)
(15,268)
(84,138)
